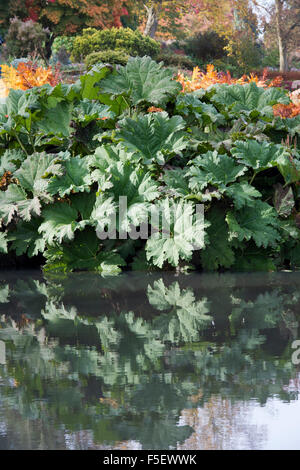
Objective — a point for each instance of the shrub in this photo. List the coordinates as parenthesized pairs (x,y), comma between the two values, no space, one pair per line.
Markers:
(26,38)
(177,60)
(134,42)
(246,54)
(107,57)
(63,41)
(206,46)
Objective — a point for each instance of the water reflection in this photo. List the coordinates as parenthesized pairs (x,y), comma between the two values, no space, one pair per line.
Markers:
(151,362)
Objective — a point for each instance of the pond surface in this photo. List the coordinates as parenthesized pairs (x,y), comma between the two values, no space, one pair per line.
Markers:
(149,361)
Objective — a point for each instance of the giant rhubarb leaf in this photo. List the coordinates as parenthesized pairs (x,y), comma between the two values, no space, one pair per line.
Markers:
(76,178)
(153,136)
(142,80)
(258,222)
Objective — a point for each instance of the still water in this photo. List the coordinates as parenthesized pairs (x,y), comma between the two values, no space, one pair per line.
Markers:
(149,361)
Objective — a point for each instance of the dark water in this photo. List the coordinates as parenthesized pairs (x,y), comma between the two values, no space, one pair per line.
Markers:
(149,361)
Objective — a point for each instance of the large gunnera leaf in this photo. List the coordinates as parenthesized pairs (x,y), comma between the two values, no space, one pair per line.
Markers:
(249,98)
(138,188)
(177,232)
(14,202)
(88,81)
(26,238)
(87,111)
(56,120)
(218,253)
(60,223)
(153,136)
(258,222)
(10,160)
(102,159)
(35,171)
(142,80)
(194,111)
(243,194)
(83,253)
(76,177)
(211,168)
(258,155)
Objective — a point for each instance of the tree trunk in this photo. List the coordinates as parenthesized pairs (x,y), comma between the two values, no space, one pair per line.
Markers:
(152,22)
(48,46)
(283,59)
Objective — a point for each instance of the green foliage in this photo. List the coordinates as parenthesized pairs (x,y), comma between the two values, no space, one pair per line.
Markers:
(176,60)
(75,178)
(83,253)
(65,42)
(258,222)
(249,98)
(153,136)
(219,252)
(70,153)
(142,80)
(181,234)
(206,46)
(133,42)
(108,56)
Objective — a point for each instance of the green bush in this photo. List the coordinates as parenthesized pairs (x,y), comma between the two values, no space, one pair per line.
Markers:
(206,46)
(107,57)
(271,58)
(176,60)
(134,42)
(63,41)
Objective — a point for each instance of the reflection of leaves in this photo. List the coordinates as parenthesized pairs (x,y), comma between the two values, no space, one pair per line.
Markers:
(186,316)
(263,312)
(53,313)
(62,369)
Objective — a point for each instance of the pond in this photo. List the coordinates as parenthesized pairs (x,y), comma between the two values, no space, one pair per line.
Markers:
(157,361)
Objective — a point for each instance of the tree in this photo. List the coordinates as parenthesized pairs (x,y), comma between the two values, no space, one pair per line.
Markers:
(176,17)
(67,17)
(162,14)
(282,24)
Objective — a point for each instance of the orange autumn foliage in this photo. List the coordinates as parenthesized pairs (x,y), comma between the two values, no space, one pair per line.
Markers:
(212,76)
(29,75)
(204,80)
(286,110)
(153,109)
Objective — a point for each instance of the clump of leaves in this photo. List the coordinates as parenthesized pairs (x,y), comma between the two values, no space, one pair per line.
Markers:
(209,178)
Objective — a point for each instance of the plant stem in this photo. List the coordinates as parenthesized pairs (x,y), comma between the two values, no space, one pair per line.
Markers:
(20,143)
